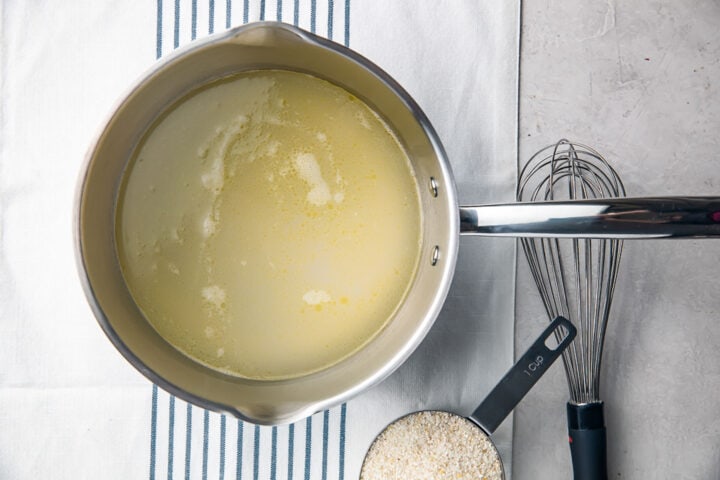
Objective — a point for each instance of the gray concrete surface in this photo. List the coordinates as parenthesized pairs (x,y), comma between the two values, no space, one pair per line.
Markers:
(639,81)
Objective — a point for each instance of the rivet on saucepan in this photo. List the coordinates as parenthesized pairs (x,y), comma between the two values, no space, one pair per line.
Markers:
(435,256)
(433,187)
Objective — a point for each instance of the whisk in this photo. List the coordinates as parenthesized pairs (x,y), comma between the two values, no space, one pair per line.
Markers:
(571,217)
(576,279)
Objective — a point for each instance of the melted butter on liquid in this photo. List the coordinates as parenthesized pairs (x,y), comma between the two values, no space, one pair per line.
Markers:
(269,225)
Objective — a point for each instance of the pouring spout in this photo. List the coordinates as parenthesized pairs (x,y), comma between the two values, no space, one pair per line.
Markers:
(619,218)
(267,34)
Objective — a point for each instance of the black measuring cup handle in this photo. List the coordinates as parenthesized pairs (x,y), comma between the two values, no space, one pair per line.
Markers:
(523,375)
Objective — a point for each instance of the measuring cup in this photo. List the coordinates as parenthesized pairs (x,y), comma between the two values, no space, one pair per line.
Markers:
(437,444)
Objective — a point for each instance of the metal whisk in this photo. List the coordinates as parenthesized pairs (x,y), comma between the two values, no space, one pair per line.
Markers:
(576,279)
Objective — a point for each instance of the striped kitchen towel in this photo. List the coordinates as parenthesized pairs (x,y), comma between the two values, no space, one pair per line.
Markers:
(190,442)
(70,406)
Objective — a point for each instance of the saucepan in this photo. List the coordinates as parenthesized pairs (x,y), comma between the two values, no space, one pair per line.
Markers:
(268,45)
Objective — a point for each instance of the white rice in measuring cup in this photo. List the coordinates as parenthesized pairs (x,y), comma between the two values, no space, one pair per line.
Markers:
(432,445)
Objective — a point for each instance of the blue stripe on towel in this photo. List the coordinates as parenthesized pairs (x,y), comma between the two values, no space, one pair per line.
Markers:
(246,11)
(188,442)
(343,421)
(176,30)
(262,10)
(158,34)
(326,427)
(308,446)
(331,8)
(171,437)
(153,431)
(273,454)
(256,454)
(313,11)
(153,424)
(193,20)
(347,23)
(291,450)
(222,447)
(238,465)
(228,17)
(211,17)
(206,428)
(278,13)
(296,13)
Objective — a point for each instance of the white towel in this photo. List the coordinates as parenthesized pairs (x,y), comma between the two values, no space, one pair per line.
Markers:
(70,406)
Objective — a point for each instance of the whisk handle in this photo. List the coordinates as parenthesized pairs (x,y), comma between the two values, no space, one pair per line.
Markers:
(588,444)
(628,218)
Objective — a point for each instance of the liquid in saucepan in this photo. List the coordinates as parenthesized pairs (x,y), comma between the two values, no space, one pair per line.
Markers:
(269,225)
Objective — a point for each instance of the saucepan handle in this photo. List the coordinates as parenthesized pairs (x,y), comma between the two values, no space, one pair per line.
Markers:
(523,375)
(628,218)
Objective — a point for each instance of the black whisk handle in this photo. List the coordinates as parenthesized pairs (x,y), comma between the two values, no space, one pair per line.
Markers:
(588,444)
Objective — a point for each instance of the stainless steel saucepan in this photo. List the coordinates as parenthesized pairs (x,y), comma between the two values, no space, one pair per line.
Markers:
(278,46)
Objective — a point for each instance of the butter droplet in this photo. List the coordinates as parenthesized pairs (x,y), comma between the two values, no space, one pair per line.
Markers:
(214,295)
(362,119)
(316,297)
(308,169)
(209,226)
(213,179)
